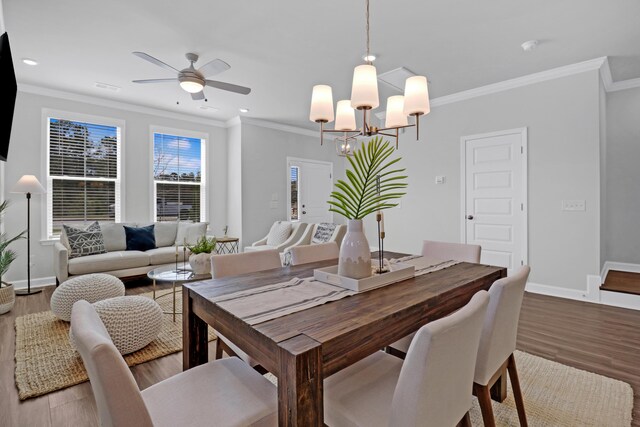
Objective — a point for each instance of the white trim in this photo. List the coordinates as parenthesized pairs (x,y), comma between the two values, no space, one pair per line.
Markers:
(282,127)
(620,299)
(524,191)
(103,102)
(556,291)
(40,282)
(605,74)
(619,266)
(291,160)
(234,121)
(624,85)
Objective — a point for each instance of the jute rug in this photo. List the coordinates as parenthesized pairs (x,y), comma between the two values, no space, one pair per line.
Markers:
(45,361)
(557,395)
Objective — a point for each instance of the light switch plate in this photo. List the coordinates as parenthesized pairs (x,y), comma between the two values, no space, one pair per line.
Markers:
(440,179)
(574,205)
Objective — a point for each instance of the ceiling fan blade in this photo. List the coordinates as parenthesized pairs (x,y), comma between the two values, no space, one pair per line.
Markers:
(214,67)
(228,87)
(155,61)
(197,96)
(156,81)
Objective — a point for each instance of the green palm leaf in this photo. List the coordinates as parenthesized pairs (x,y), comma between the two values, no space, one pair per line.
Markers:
(372,184)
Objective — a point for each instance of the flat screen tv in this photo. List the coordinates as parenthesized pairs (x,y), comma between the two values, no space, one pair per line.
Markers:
(8,91)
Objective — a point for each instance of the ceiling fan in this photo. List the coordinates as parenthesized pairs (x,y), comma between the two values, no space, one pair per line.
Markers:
(194,80)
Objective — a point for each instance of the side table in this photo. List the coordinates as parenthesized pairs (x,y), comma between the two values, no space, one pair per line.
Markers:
(168,273)
(227,245)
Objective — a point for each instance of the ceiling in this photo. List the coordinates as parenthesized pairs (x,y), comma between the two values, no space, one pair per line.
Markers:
(282,48)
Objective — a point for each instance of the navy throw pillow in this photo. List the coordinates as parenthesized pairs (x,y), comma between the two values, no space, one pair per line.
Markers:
(140,238)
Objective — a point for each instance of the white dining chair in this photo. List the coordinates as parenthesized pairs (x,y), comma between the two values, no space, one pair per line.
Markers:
(431,388)
(498,342)
(305,254)
(233,265)
(443,251)
(224,392)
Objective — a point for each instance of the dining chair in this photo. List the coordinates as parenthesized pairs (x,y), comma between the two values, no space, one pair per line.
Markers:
(233,265)
(431,388)
(498,342)
(444,251)
(223,392)
(305,254)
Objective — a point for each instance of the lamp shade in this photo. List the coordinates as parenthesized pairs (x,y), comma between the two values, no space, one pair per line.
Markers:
(321,104)
(395,112)
(364,90)
(28,184)
(416,96)
(345,116)
(191,84)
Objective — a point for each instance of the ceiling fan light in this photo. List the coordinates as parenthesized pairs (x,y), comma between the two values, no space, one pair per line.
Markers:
(345,116)
(416,96)
(321,104)
(191,85)
(395,116)
(364,90)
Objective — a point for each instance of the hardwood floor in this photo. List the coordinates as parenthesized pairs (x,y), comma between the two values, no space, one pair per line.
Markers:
(622,281)
(596,338)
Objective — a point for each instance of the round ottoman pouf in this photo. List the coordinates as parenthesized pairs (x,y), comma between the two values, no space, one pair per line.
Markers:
(90,287)
(132,321)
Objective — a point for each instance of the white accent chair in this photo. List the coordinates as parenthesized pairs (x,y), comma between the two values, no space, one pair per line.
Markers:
(233,265)
(297,230)
(498,342)
(312,253)
(224,392)
(431,388)
(443,251)
(336,236)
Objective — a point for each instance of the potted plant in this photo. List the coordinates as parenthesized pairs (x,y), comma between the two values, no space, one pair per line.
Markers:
(371,186)
(200,258)
(7,256)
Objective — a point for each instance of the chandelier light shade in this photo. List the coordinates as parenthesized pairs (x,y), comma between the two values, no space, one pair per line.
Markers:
(321,104)
(416,96)
(364,90)
(395,116)
(345,116)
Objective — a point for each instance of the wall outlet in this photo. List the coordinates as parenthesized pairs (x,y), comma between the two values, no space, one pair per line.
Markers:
(440,179)
(574,205)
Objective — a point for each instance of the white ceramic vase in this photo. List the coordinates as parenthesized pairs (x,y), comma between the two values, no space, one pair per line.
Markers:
(200,263)
(355,254)
(7,298)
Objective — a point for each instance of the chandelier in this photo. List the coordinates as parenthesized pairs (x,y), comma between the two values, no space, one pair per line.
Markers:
(364,97)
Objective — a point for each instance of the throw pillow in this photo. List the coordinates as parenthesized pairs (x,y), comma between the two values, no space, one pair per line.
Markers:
(84,241)
(191,232)
(323,233)
(279,233)
(140,238)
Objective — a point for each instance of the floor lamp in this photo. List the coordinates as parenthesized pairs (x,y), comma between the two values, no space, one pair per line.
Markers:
(28,185)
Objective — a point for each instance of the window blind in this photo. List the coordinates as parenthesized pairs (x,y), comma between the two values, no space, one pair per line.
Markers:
(83,175)
(178,165)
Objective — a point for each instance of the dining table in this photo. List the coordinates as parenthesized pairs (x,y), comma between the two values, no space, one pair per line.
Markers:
(303,348)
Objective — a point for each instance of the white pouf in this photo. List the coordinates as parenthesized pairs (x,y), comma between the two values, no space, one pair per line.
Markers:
(132,321)
(90,287)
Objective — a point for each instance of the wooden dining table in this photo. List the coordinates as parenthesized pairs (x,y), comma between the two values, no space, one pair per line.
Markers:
(303,348)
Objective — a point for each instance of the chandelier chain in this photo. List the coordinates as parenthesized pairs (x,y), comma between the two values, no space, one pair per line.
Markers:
(367,29)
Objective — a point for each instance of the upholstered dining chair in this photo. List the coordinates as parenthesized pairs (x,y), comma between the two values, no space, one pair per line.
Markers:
(431,387)
(498,342)
(224,392)
(444,251)
(305,254)
(233,265)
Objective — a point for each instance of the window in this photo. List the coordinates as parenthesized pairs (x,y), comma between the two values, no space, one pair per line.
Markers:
(178,177)
(83,173)
(293,173)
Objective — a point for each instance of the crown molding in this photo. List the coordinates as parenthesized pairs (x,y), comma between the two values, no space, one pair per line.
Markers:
(282,127)
(605,75)
(624,85)
(234,121)
(103,102)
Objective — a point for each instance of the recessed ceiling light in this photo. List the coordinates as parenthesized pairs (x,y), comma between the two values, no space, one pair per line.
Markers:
(369,58)
(529,45)
(244,110)
(29,61)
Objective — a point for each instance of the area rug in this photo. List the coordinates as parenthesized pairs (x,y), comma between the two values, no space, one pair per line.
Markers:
(558,395)
(45,361)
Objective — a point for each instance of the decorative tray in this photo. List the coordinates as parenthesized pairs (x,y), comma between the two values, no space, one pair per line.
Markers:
(398,273)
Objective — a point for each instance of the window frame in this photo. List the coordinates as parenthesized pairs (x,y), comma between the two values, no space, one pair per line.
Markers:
(204,185)
(47,206)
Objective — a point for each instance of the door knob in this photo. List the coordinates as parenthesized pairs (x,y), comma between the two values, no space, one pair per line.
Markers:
(469,216)
(304,212)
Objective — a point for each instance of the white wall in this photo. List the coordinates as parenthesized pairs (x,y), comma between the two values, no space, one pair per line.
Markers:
(622,243)
(27,149)
(234,181)
(563,138)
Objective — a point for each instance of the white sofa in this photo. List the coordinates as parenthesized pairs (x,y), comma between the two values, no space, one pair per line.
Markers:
(119,262)
(296,232)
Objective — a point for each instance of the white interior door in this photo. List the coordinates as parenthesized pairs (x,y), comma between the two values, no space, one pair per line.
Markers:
(495,196)
(314,184)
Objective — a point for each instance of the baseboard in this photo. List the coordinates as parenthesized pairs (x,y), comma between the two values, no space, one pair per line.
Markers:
(618,266)
(619,299)
(35,283)
(555,291)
